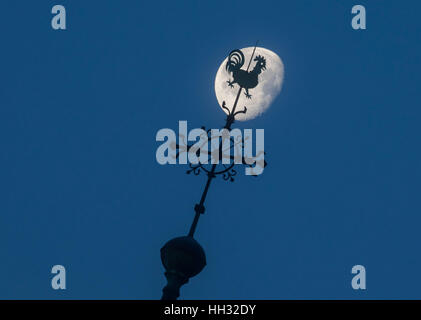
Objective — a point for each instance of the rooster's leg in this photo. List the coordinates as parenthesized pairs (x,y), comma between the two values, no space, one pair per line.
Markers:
(248,95)
(231,83)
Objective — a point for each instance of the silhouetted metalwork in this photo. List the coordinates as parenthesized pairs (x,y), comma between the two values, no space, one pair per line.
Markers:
(226,170)
(245,79)
(183,257)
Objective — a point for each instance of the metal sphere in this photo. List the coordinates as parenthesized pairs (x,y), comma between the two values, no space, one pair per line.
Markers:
(184,256)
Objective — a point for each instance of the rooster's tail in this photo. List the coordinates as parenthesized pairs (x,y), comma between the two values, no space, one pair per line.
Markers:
(235,60)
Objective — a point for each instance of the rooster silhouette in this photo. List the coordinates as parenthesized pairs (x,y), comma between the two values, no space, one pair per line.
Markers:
(245,79)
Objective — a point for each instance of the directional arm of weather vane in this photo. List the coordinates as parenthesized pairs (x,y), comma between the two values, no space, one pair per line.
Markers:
(185,147)
(249,161)
(228,171)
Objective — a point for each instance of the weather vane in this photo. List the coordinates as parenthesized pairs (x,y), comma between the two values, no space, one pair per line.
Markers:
(183,257)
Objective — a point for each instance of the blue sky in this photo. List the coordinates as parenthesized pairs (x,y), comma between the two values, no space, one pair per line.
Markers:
(80,186)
